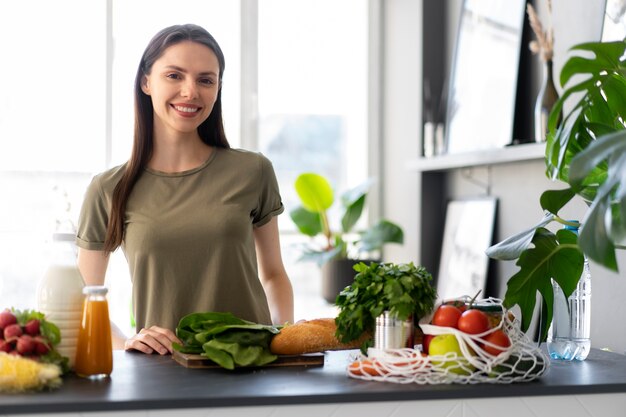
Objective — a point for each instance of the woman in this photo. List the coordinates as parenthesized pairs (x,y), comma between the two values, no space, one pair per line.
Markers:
(195,218)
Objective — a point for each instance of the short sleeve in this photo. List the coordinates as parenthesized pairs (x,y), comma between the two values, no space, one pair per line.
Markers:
(94,217)
(270,203)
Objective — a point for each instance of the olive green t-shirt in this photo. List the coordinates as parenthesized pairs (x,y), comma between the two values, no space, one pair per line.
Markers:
(188,236)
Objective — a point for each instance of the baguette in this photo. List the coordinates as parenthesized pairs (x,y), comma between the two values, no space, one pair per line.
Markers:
(310,336)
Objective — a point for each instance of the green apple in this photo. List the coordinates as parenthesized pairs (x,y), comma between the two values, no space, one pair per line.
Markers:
(444,343)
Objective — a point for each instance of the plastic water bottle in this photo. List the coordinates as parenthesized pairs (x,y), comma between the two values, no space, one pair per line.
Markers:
(569,334)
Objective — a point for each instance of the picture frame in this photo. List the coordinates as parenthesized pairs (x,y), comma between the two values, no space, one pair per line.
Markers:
(468,232)
(483,82)
(614,25)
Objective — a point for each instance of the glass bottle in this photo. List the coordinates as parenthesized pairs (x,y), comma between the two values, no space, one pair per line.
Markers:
(546,99)
(94,354)
(60,293)
(569,336)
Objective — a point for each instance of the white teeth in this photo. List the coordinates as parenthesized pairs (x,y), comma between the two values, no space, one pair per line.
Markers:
(186,109)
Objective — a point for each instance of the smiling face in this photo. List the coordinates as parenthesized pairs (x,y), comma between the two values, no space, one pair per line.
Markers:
(183,85)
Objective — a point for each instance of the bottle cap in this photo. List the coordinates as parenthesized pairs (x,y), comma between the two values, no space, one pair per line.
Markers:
(573,228)
(95,290)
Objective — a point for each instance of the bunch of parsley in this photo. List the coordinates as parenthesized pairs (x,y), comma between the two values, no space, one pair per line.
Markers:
(404,290)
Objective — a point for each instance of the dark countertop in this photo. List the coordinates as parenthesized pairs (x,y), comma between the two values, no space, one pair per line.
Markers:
(144,382)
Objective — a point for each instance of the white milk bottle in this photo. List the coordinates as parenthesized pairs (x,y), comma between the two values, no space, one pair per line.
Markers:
(60,293)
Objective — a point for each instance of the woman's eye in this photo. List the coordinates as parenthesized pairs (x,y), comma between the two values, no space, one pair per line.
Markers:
(206,81)
(173,76)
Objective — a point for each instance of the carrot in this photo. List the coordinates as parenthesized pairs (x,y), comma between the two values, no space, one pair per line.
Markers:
(366,366)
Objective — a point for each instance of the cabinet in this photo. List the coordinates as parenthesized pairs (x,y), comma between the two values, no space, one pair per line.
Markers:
(514,175)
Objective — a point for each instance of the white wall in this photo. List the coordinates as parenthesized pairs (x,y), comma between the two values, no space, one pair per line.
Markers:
(401,121)
(575,21)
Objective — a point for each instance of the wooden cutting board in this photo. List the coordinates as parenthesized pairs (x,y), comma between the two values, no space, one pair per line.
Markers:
(198,361)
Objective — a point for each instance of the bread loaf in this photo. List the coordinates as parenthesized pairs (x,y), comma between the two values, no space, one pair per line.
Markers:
(310,336)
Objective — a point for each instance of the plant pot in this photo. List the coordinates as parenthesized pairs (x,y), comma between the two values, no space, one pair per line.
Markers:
(337,275)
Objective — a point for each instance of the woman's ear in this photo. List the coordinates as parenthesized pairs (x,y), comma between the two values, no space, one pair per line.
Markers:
(144,85)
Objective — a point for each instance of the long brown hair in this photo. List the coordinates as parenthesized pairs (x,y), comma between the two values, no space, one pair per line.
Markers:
(211,131)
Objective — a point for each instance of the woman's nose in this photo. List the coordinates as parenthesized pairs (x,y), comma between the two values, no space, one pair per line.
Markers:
(189,89)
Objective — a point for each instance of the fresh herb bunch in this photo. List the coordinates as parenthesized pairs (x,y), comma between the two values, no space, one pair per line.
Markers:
(404,290)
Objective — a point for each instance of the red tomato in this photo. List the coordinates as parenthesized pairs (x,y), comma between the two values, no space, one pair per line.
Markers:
(426,342)
(446,316)
(473,321)
(498,338)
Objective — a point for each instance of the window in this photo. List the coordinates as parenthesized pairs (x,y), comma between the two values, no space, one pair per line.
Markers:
(66,111)
(312,100)
(52,127)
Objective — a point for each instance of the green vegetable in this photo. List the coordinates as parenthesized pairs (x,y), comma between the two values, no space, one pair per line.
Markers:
(226,339)
(404,290)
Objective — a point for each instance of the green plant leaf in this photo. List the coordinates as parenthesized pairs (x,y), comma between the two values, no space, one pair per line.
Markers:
(352,195)
(601,103)
(315,192)
(512,247)
(554,200)
(596,153)
(353,212)
(320,257)
(595,241)
(593,235)
(551,257)
(382,232)
(607,55)
(308,222)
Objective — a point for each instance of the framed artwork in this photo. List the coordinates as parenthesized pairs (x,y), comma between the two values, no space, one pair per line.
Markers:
(468,233)
(614,26)
(483,81)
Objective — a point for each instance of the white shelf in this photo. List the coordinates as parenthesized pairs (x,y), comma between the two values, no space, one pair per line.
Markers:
(516,153)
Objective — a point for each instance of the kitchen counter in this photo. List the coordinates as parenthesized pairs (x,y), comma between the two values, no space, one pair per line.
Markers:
(151,382)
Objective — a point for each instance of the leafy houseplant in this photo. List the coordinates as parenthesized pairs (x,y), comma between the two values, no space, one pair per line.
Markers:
(587,152)
(312,219)
(402,289)
(337,250)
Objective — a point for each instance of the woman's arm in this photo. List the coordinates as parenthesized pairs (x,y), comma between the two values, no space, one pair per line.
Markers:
(272,272)
(93,266)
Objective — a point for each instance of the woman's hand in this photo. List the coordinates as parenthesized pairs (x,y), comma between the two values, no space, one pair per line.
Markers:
(154,339)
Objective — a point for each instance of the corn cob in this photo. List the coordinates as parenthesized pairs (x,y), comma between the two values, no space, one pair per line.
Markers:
(18,374)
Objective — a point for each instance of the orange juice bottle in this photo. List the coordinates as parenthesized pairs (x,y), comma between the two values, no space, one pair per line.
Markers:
(94,351)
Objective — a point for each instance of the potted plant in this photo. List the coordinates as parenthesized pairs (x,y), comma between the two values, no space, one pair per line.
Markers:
(336,250)
(587,151)
(403,291)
